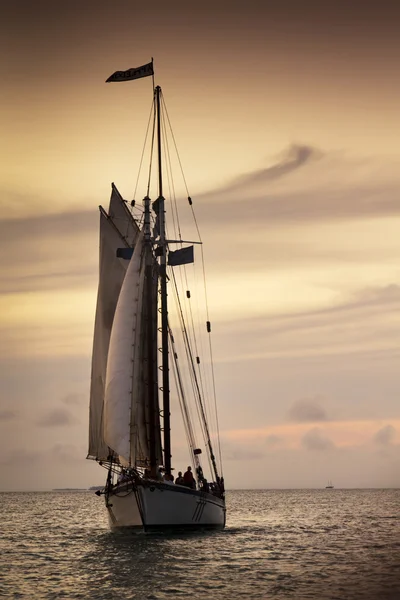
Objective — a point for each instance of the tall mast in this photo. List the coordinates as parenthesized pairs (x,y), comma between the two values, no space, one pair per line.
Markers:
(151,374)
(164,301)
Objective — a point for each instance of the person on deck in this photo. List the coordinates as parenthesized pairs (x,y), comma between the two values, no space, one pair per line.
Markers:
(179,480)
(188,478)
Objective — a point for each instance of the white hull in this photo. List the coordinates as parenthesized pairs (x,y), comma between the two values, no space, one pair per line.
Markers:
(155,506)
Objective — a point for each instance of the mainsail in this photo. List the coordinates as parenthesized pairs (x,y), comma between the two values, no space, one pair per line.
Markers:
(131,415)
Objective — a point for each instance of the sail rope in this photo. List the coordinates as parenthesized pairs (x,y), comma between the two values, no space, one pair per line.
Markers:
(177,231)
(189,333)
(199,403)
(186,416)
(152,112)
(192,341)
(204,283)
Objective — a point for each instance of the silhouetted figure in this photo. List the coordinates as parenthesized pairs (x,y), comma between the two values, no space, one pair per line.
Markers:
(179,480)
(188,478)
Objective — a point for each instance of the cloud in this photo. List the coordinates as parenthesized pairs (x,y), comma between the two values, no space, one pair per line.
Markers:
(8,415)
(315,440)
(385,435)
(67,452)
(20,457)
(242,451)
(292,158)
(48,252)
(74,399)
(273,440)
(307,411)
(242,454)
(58,417)
(327,186)
(364,324)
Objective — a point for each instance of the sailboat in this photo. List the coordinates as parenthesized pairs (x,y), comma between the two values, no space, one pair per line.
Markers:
(329,486)
(134,349)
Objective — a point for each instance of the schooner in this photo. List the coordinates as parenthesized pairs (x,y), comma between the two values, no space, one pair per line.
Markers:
(134,354)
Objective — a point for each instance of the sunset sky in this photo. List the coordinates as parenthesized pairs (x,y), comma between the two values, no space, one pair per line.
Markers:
(287,122)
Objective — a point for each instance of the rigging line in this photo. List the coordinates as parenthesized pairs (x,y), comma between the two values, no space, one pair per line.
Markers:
(168,167)
(175,211)
(210,350)
(215,404)
(175,206)
(211,358)
(203,372)
(188,354)
(181,395)
(198,396)
(170,163)
(153,109)
(176,150)
(202,255)
(183,326)
(205,287)
(144,148)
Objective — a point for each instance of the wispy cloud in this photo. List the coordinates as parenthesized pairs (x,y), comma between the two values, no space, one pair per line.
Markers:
(57,417)
(307,410)
(385,436)
(341,328)
(20,458)
(48,252)
(272,440)
(74,399)
(291,159)
(314,439)
(295,435)
(67,452)
(8,415)
(307,184)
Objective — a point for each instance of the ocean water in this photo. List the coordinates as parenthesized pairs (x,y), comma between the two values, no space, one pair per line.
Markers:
(336,544)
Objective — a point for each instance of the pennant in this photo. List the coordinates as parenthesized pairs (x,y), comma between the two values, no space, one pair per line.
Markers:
(181,257)
(143,71)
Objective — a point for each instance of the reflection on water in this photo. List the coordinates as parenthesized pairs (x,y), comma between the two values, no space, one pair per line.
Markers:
(278,544)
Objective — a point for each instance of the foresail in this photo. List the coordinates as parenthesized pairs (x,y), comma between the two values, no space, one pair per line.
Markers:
(111,275)
(118,229)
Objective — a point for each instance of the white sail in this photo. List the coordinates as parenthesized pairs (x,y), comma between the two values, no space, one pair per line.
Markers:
(111,275)
(123,350)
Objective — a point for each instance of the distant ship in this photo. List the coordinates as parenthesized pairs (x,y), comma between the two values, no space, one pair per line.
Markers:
(329,486)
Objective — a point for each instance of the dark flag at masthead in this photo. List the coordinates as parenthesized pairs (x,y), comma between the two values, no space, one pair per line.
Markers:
(143,71)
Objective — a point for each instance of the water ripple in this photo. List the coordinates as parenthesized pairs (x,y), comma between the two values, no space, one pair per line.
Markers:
(342,544)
